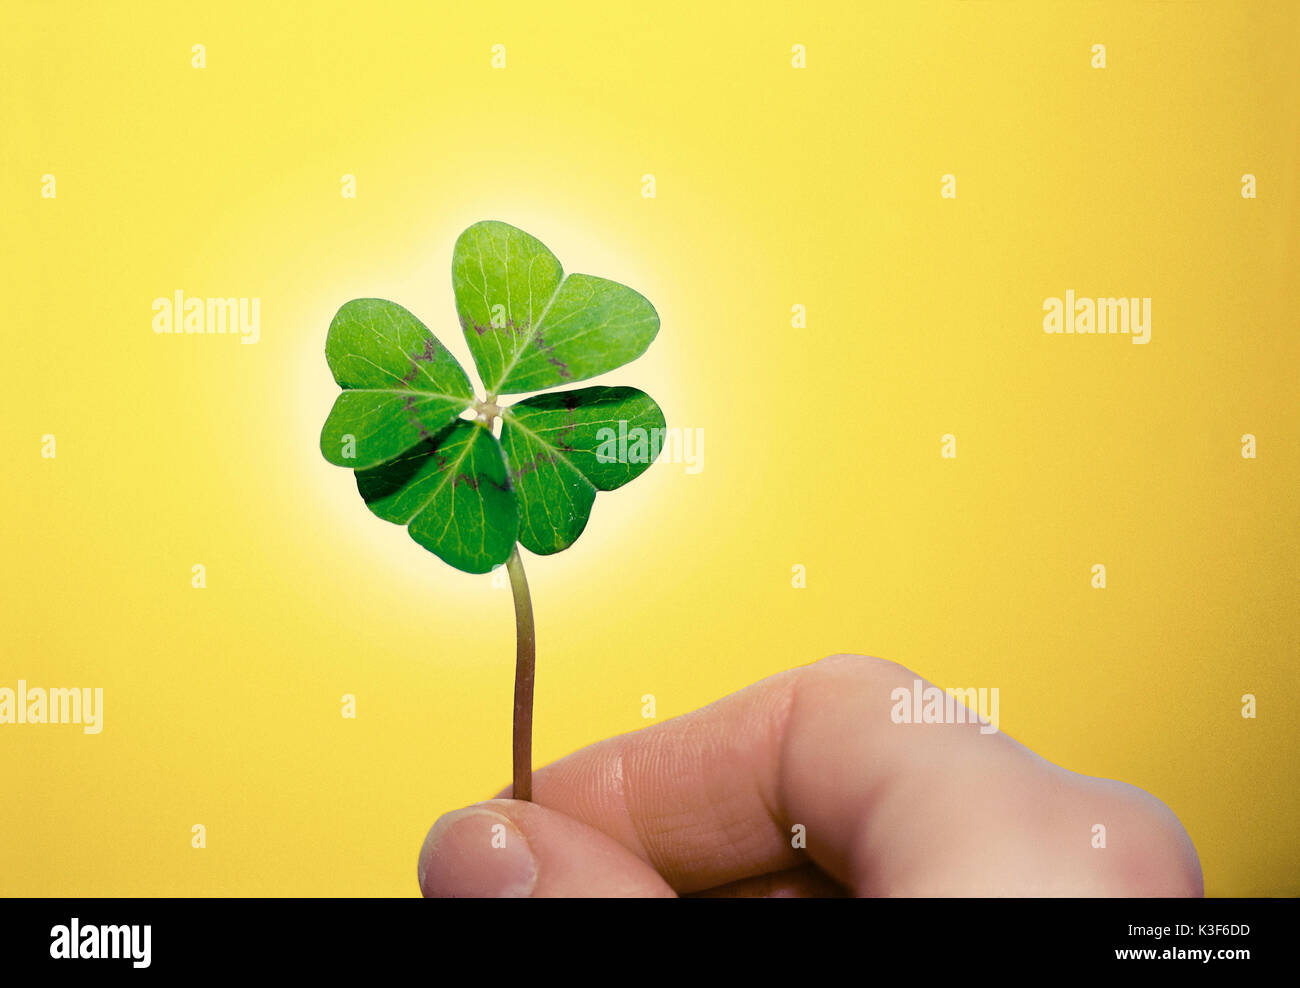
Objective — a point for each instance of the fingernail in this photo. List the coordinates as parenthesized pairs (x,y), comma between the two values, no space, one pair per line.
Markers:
(476,853)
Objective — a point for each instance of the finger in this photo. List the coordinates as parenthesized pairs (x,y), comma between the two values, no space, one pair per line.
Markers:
(692,797)
(509,849)
(808,766)
(797,883)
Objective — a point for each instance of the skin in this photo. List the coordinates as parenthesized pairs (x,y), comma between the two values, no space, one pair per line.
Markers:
(705,803)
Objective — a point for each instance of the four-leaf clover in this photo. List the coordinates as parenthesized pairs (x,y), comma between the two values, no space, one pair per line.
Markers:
(422,444)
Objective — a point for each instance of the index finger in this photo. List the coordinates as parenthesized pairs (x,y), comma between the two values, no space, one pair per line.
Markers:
(809,764)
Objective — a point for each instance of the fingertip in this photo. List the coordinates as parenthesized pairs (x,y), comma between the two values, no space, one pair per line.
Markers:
(508,848)
(476,852)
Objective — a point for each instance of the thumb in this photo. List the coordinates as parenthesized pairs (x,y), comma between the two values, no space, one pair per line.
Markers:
(506,848)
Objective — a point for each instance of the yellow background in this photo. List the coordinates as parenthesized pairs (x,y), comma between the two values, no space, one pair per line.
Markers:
(775,186)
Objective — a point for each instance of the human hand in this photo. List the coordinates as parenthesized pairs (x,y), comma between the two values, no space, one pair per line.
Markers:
(711,803)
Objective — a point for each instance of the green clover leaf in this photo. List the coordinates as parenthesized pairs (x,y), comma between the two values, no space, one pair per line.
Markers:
(528,326)
(453,493)
(401,422)
(562,448)
(400,384)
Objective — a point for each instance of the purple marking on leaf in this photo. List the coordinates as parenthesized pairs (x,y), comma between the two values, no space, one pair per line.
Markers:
(551,358)
(408,405)
(571,424)
(423,357)
(510,327)
(532,465)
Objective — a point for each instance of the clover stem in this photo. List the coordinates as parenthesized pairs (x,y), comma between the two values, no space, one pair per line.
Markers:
(525,661)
